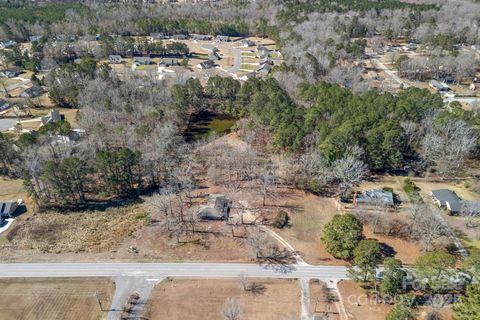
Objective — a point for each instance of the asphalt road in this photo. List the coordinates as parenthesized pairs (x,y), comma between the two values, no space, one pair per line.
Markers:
(154,271)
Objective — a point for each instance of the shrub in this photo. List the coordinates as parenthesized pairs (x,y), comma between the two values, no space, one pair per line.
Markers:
(281,219)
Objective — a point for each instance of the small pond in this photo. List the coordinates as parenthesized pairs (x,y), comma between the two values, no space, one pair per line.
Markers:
(206,123)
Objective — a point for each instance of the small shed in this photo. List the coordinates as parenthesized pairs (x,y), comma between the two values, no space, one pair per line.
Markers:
(8,208)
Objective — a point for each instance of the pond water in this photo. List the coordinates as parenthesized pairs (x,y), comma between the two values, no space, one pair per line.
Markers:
(206,123)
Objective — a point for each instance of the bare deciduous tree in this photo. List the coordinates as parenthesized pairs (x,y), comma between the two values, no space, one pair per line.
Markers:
(231,309)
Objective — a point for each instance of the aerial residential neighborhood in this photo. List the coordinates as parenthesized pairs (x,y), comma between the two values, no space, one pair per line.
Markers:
(234,160)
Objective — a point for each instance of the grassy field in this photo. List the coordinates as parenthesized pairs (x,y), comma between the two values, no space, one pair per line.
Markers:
(248,54)
(66,299)
(11,189)
(247,67)
(195,299)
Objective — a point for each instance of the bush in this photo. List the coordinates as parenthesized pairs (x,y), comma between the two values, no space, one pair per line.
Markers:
(281,220)
(388,189)
(409,186)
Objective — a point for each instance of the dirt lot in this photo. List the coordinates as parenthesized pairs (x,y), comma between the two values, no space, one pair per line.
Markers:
(358,305)
(322,302)
(30,299)
(204,299)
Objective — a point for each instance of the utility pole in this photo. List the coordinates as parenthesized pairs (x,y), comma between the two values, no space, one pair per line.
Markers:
(97,296)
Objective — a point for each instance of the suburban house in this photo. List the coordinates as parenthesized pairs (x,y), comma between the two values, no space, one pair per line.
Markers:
(264,69)
(7,44)
(220,38)
(247,43)
(262,52)
(206,65)
(11,72)
(204,37)
(214,55)
(142,60)
(157,36)
(4,105)
(217,208)
(180,36)
(474,86)
(249,75)
(374,197)
(53,115)
(440,87)
(448,199)
(32,92)
(209,48)
(34,38)
(266,60)
(114,59)
(168,62)
(8,208)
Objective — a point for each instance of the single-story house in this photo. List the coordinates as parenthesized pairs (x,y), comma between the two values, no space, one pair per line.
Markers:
(114,59)
(32,92)
(157,36)
(445,198)
(11,72)
(210,48)
(263,49)
(206,65)
(7,44)
(34,38)
(53,115)
(8,208)
(249,75)
(217,208)
(214,56)
(474,86)
(266,60)
(168,62)
(4,105)
(180,36)
(440,87)
(374,197)
(264,68)
(247,43)
(142,60)
(221,38)
(204,37)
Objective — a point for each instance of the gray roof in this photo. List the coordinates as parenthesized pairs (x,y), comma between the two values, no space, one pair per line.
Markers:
(8,207)
(376,196)
(447,198)
(142,60)
(218,208)
(4,104)
(32,92)
(169,62)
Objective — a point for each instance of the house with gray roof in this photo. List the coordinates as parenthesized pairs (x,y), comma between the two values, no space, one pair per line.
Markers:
(11,72)
(203,37)
(206,65)
(8,208)
(4,105)
(448,199)
(375,197)
(5,44)
(168,62)
(217,208)
(142,60)
(53,115)
(180,36)
(264,69)
(114,59)
(32,92)
(221,38)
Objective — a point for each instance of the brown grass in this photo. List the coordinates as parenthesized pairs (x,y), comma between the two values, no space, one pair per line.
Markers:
(320,305)
(66,299)
(358,305)
(203,299)
(11,189)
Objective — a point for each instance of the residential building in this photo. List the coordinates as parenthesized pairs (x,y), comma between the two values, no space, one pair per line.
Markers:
(180,36)
(217,208)
(114,59)
(448,199)
(206,65)
(247,43)
(53,115)
(32,92)
(214,56)
(142,60)
(264,69)
(11,72)
(247,76)
(440,87)
(168,62)
(4,105)
(8,208)
(203,37)
(374,197)
(474,86)
(221,38)
(5,44)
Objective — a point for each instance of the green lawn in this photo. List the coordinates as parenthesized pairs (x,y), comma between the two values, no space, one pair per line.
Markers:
(248,54)
(199,56)
(248,67)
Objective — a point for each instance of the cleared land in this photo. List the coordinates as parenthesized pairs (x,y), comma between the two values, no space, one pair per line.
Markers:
(66,299)
(11,189)
(204,299)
